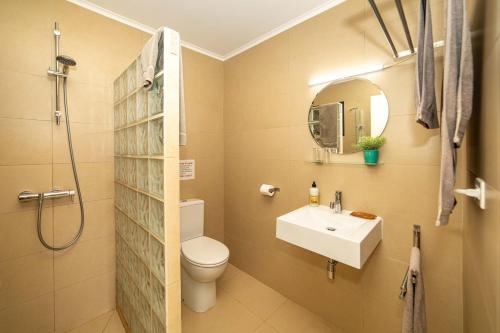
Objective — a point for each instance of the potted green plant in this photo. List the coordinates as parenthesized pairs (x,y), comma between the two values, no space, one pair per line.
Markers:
(370,145)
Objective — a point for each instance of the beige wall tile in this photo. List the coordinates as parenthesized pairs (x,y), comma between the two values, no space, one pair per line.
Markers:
(204,87)
(18,233)
(84,301)
(90,103)
(36,315)
(13,90)
(96,67)
(91,143)
(32,14)
(25,278)
(15,179)
(84,260)
(25,141)
(99,220)
(481,249)
(96,180)
(390,321)
(16,58)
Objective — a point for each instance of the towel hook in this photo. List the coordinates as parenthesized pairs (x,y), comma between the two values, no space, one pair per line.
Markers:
(416,243)
(478,192)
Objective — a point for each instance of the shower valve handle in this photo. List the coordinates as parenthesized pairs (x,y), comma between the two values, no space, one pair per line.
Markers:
(30,196)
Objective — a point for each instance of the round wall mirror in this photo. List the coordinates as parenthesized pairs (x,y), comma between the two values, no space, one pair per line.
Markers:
(343,112)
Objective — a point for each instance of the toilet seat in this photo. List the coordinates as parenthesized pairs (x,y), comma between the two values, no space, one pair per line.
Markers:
(204,252)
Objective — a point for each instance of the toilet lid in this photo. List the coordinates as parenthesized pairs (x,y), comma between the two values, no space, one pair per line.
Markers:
(204,251)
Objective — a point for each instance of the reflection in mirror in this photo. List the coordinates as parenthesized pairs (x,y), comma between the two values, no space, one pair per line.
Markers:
(345,111)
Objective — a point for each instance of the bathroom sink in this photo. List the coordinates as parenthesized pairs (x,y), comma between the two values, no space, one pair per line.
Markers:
(342,237)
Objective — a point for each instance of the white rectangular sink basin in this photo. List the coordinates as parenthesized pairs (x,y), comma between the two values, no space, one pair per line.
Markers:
(342,237)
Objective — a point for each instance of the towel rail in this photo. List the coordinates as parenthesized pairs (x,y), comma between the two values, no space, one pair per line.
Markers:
(416,243)
(402,16)
(404,22)
(384,27)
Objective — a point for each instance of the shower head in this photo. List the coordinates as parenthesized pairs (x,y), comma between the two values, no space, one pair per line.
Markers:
(66,61)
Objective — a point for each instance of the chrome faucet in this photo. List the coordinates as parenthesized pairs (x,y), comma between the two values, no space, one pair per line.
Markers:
(337,204)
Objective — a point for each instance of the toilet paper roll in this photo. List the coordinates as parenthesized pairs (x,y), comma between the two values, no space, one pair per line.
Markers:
(266,189)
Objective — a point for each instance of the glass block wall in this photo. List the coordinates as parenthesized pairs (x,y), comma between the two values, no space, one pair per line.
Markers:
(139,199)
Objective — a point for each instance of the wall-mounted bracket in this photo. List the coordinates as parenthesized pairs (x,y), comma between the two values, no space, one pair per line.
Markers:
(478,192)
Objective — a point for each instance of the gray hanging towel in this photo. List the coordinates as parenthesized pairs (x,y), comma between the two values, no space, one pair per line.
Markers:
(427,114)
(465,87)
(457,101)
(414,320)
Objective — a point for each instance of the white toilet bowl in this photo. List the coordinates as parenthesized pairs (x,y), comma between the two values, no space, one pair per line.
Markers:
(203,260)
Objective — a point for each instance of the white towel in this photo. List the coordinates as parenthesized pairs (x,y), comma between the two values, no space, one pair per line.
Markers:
(149,57)
(182,107)
(414,312)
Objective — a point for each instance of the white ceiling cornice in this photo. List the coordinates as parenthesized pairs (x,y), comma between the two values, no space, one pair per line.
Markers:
(284,27)
(134,24)
(262,38)
(112,15)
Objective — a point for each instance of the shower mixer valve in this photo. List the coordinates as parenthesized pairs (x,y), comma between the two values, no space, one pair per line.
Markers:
(30,196)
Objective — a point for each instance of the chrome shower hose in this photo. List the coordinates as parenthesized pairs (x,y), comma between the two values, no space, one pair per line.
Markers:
(77,184)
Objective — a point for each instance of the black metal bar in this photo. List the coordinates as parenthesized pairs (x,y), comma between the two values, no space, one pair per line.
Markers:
(405,25)
(384,28)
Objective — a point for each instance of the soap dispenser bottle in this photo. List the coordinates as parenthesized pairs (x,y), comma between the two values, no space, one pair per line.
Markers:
(314,195)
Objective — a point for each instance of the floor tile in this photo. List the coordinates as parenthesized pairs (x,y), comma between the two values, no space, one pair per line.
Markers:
(228,316)
(95,325)
(256,296)
(265,328)
(114,325)
(293,318)
(230,272)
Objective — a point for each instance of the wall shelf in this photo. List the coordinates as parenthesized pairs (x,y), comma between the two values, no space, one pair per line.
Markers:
(343,163)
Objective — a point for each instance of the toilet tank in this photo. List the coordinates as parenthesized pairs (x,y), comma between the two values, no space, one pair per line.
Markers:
(191,217)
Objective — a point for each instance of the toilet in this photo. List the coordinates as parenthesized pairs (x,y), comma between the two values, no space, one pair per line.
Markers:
(203,259)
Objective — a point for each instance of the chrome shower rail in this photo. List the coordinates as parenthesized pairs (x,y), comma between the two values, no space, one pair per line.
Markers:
(66,63)
(402,16)
(416,243)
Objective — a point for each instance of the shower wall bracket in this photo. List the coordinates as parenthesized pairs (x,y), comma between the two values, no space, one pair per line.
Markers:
(478,192)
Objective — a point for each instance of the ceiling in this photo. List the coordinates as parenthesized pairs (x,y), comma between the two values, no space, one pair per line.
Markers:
(219,28)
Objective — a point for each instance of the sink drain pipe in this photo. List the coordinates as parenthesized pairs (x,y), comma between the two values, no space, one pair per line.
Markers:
(330,269)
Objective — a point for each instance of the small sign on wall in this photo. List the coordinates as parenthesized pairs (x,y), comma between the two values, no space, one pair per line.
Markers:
(186,171)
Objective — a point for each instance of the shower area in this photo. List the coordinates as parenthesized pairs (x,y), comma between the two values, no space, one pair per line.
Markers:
(89,226)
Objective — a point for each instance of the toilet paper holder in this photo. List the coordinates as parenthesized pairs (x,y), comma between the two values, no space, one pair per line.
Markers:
(268,190)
